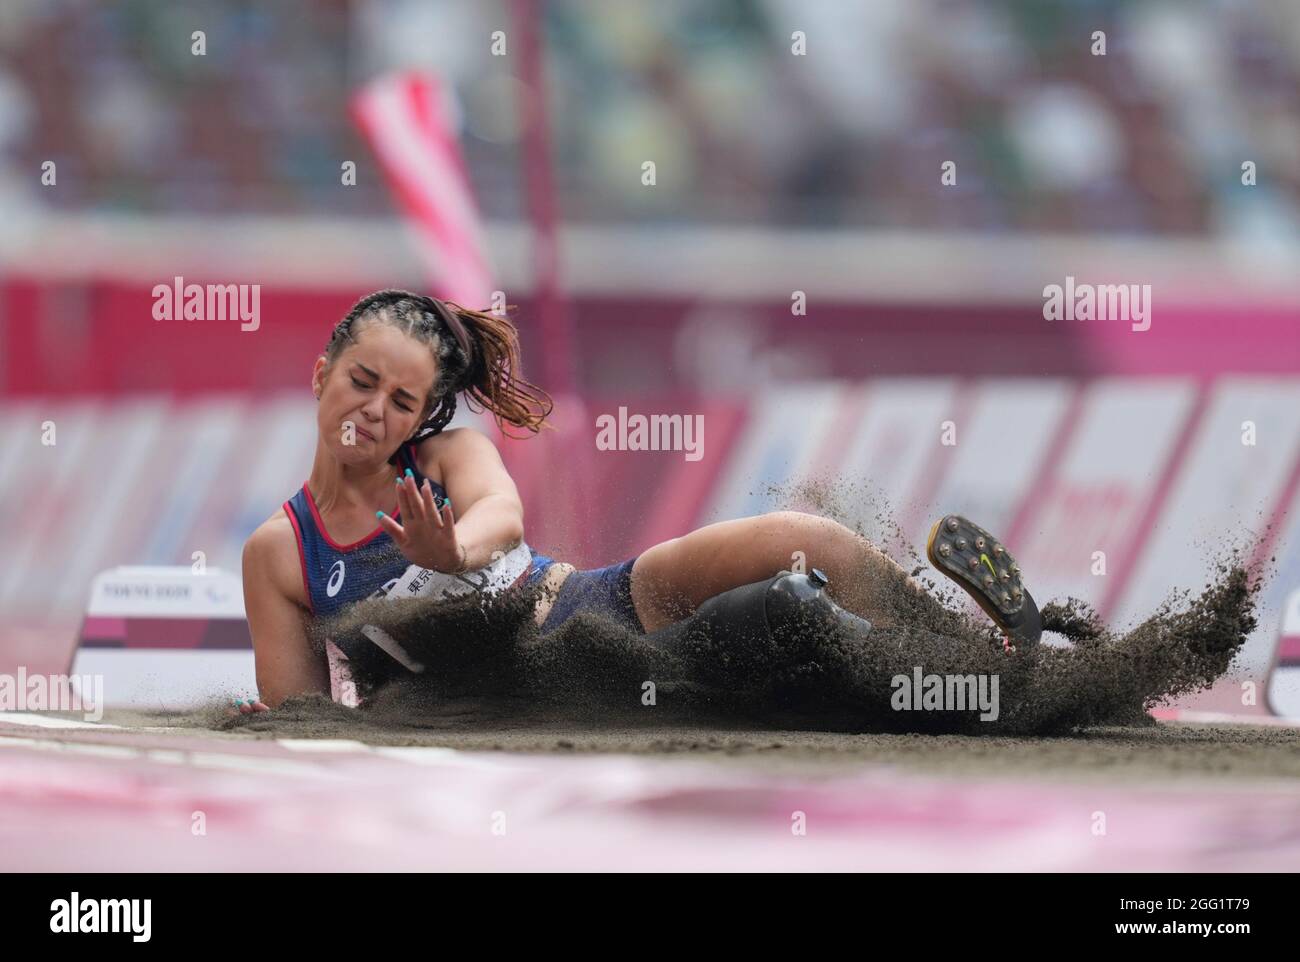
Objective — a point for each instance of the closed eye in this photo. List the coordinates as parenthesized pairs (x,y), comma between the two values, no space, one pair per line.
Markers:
(367,387)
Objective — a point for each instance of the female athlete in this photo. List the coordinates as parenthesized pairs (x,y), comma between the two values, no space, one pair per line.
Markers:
(390,487)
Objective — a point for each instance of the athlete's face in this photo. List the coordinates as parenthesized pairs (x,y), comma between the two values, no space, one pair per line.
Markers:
(380,385)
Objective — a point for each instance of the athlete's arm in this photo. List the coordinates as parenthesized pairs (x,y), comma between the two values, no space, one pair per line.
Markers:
(286,663)
(484,499)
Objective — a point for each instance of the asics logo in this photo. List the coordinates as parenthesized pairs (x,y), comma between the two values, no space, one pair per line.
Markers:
(336,579)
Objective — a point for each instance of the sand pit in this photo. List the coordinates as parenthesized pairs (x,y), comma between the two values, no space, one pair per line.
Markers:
(492,681)
(1154,752)
(485,659)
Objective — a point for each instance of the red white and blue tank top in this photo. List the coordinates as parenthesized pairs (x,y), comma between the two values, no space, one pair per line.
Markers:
(336,575)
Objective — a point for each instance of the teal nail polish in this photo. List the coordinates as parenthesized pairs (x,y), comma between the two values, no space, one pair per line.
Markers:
(409,473)
(379,514)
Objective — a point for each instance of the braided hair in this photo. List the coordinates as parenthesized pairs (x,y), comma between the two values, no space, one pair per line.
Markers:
(476,352)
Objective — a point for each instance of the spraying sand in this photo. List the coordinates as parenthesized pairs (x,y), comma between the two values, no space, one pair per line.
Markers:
(486,661)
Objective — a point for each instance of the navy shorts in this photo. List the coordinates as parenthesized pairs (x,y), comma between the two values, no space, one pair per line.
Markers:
(605,590)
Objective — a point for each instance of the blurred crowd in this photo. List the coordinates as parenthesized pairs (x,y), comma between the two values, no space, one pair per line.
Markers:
(1044,133)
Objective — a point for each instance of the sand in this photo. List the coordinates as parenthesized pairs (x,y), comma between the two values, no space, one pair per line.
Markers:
(1157,753)
(493,681)
(485,655)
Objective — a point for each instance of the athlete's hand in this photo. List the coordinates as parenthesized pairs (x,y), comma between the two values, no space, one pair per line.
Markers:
(427,534)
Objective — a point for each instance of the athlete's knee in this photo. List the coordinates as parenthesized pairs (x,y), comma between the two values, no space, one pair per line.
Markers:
(800,541)
(781,524)
(802,529)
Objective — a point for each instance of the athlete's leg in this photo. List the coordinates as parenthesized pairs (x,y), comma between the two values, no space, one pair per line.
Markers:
(671,579)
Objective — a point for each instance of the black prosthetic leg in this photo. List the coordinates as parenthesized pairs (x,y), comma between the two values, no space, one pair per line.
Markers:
(768,620)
